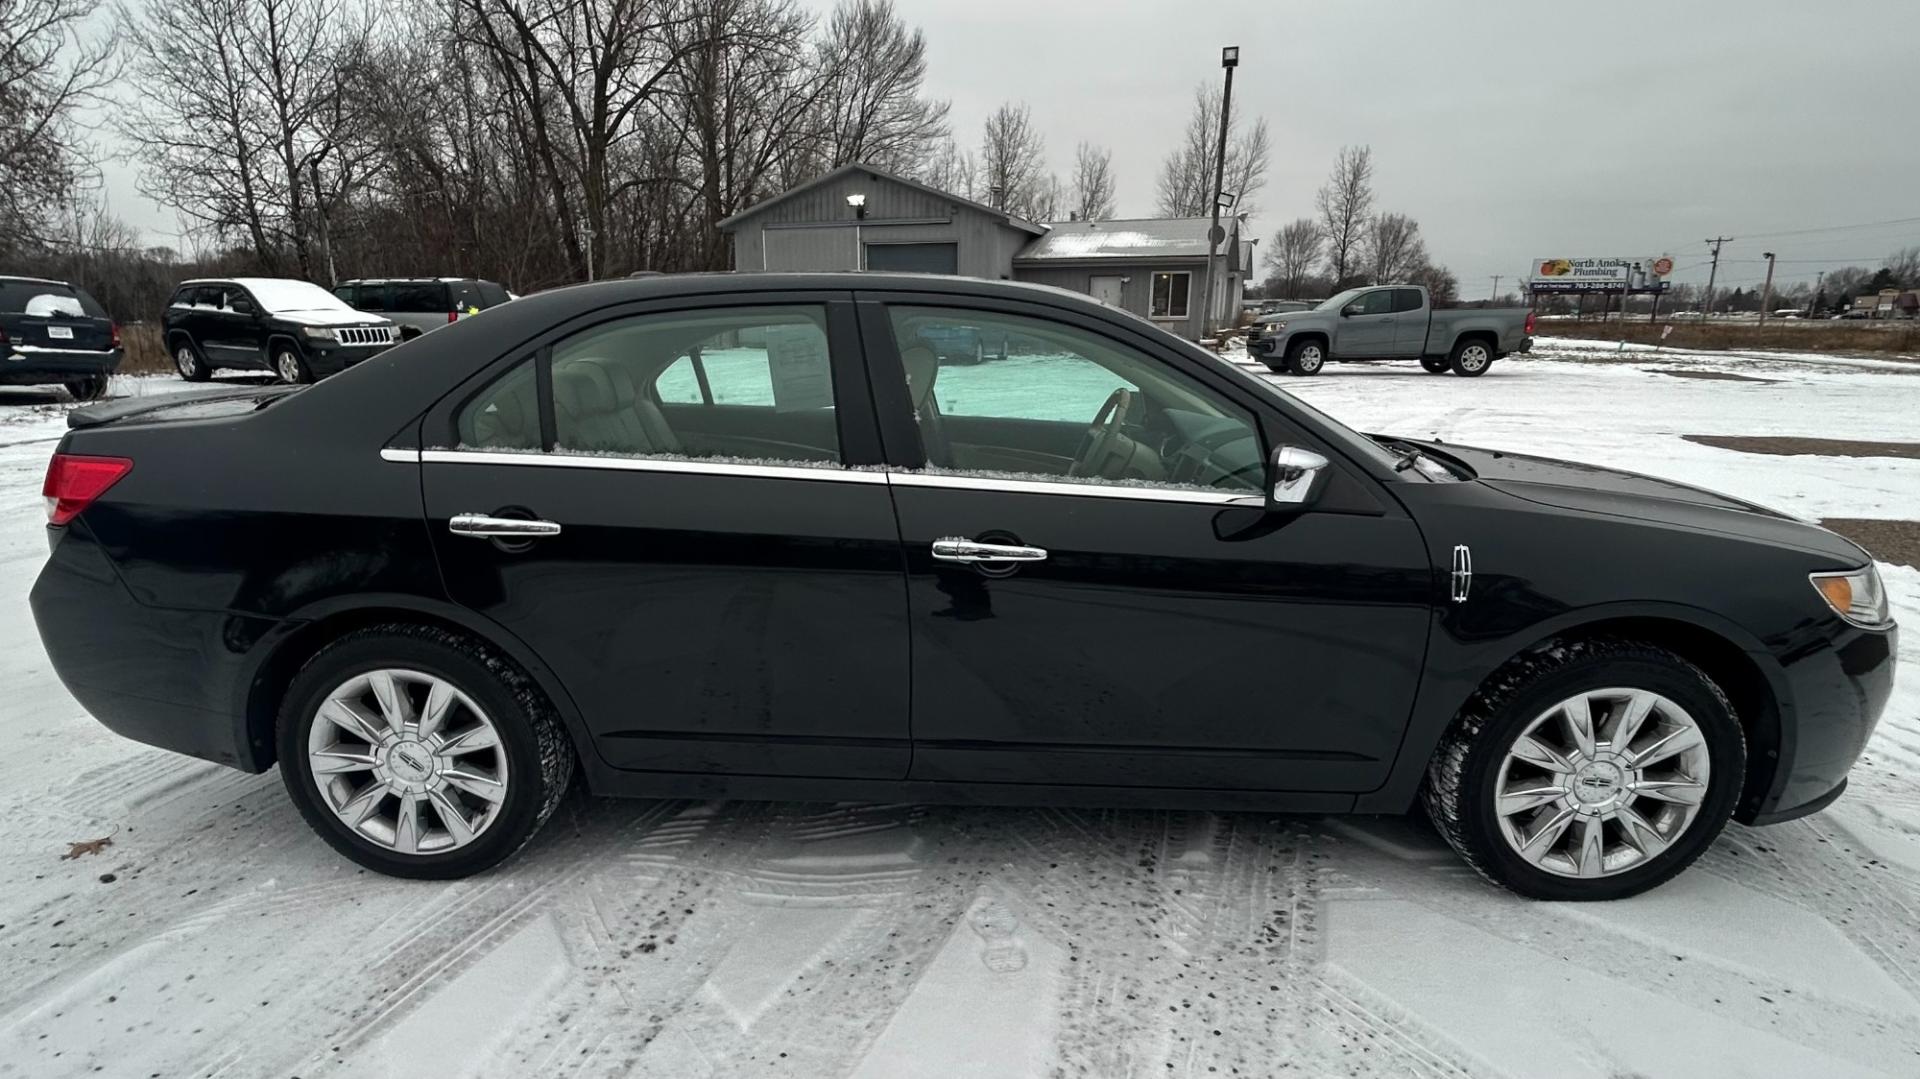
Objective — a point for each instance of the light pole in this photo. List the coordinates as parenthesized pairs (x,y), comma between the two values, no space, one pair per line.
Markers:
(1229,59)
(1766,290)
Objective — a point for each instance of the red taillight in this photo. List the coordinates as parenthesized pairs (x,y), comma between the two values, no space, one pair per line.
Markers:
(1529,322)
(115,327)
(74,481)
(453,316)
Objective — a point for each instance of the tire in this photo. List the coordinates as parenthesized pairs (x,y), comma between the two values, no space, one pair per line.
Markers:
(289,366)
(979,351)
(1306,357)
(1472,761)
(1471,357)
(90,388)
(532,757)
(1435,365)
(190,361)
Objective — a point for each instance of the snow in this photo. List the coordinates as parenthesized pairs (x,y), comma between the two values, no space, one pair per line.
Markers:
(285,297)
(678,938)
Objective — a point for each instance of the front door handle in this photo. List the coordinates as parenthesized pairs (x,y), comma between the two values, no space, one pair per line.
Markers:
(956,549)
(481,526)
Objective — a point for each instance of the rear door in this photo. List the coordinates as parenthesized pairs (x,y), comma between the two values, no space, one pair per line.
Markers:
(1162,629)
(230,338)
(716,596)
(1367,327)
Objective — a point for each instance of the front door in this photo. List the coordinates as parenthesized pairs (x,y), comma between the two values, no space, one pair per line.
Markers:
(1368,332)
(715,586)
(231,337)
(1139,619)
(1107,289)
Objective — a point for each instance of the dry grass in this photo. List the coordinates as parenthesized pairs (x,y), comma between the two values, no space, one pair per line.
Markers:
(146,353)
(1901,339)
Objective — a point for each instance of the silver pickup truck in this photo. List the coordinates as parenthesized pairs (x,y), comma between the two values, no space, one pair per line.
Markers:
(1390,322)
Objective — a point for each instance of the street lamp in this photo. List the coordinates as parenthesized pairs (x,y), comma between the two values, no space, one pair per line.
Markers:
(1230,56)
(1229,59)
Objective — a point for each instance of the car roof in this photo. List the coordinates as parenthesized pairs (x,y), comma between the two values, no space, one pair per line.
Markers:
(409,280)
(34,280)
(245,282)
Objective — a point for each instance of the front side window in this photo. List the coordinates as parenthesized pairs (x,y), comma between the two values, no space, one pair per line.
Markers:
(1066,404)
(1377,302)
(1169,296)
(747,383)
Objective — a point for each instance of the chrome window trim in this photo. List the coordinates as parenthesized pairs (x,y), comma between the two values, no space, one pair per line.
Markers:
(834,474)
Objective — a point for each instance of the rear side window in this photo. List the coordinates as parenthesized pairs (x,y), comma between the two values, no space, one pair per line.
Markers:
(47,300)
(417,298)
(1406,299)
(491,295)
(466,296)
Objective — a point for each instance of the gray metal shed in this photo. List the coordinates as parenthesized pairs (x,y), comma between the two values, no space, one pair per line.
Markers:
(907,226)
(1153,267)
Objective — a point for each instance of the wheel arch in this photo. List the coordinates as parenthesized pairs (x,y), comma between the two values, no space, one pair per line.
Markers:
(1319,337)
(280,656)
(1485,337)
(279,337)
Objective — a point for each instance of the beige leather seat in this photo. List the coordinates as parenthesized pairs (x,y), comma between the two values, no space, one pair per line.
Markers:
(923,368)
(510,421)
(598,407)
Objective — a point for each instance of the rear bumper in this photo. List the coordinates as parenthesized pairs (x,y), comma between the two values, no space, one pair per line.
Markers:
(1526,345)
(1838,691)
(27,366)
(167,678)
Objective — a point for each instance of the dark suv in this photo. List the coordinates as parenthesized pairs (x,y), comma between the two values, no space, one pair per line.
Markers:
(53,333)
(422,303)
(295,329)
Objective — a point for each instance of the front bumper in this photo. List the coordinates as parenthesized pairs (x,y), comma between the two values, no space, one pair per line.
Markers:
(331,357)
(27,365)
(1838,689)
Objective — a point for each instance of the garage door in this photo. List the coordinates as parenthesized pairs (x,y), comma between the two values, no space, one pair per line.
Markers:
(914,258)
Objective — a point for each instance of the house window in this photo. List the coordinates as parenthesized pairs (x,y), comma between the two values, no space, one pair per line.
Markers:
(1170,295)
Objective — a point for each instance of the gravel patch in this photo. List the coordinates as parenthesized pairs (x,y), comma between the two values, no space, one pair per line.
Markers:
(1887,541)
(1817,447)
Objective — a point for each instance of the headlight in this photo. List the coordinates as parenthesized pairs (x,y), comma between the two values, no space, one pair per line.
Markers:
(323,333)
(1856,596)
(1276,325)
(393,332)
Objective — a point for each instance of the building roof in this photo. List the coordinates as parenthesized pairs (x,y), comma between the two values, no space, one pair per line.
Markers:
(726,224)
(1157,237)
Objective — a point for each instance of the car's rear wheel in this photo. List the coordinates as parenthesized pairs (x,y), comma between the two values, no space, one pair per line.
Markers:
(418,753)
(90,388)
(289,366)
(1305,358)
(188,361)
(1435,365)
(1588,770)
(1471,358)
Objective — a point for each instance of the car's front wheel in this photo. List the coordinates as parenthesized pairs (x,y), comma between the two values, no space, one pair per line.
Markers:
(418,753)
(289,366)
(1306,358)
(1589,769)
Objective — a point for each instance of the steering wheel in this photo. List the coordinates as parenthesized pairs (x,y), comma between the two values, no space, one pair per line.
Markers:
(1098,445)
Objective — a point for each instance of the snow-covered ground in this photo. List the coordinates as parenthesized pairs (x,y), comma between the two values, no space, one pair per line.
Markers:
(217,936)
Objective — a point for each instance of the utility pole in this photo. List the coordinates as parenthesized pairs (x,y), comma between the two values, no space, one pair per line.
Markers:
(1706,305)
(1813,298)
(1495,298)
(1229,59)
(1766,290)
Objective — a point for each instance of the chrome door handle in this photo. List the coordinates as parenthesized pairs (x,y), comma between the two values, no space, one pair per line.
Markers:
(480,526)
(956,549)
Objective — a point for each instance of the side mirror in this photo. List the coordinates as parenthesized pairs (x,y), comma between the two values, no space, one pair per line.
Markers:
(1298,476)
(241,307)
(1349,311)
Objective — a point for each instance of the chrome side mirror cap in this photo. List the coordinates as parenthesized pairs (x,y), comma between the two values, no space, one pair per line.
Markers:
(1298,476)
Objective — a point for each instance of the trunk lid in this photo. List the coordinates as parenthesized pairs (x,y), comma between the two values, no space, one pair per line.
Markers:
(177,407)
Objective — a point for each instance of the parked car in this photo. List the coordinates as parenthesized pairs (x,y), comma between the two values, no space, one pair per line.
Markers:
(296,329)
(1392,322)
(52,333)
(422,303)
(592,534)
(965,344)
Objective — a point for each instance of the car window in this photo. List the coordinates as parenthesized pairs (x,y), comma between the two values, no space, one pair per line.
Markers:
(1377,302)
(417,297)
(997,393)
(753,383)
(466,296)
(345,293)
(369,297)
(1406,299)
(491,295)
(46,299)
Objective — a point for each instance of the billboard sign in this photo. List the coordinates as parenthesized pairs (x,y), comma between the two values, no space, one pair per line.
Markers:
(1599,275)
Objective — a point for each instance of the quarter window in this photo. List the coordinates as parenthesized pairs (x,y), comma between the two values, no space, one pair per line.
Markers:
(1169,298)
(417,297)
(1065,404)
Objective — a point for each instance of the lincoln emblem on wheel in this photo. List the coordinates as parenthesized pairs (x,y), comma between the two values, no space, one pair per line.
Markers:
(798,536)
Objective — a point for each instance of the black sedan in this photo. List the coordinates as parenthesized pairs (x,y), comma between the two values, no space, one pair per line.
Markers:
(748,536)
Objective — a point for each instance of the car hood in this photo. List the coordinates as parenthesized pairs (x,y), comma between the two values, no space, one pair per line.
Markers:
(332,318)
(1592,489)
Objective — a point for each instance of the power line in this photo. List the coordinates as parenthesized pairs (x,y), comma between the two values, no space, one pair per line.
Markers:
(1833,228)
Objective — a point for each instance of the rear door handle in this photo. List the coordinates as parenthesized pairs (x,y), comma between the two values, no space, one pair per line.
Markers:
(480,526)
(956,549)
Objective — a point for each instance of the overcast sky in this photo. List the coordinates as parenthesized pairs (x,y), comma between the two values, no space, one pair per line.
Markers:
(1510,129)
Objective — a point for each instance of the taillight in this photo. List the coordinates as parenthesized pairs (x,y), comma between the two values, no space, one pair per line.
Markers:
(115,327)
(453,316)
(1529,328)
(74,481)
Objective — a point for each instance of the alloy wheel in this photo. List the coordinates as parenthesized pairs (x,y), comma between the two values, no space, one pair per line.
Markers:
(183,359)
(287,366)
(1602,782)
(1311,359)
(408,761)
(1473,357)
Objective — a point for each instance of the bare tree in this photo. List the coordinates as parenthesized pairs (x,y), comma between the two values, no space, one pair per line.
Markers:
(51,66)
(1186,176)
(1295,250)
(1392,248)
(1093,184)
(1013,164)
(1442,286)
(1904,267)
(872,69)
(1345,203)
(951,168)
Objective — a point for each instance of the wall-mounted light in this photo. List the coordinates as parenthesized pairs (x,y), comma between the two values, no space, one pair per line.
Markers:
(859,204)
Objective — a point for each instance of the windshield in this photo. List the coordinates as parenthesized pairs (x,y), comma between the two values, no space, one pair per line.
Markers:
(46,299)
(1340,300)
(286,297)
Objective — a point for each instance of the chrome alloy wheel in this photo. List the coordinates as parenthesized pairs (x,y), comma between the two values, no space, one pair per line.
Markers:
(184,359)
(287,366)
(1311,358)
(1474,357)
(407,761)
(1602,782)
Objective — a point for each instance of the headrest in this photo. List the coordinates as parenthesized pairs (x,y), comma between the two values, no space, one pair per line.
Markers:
(591,387)
(922,368)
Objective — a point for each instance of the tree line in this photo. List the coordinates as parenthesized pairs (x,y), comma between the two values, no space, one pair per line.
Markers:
(1348,242)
